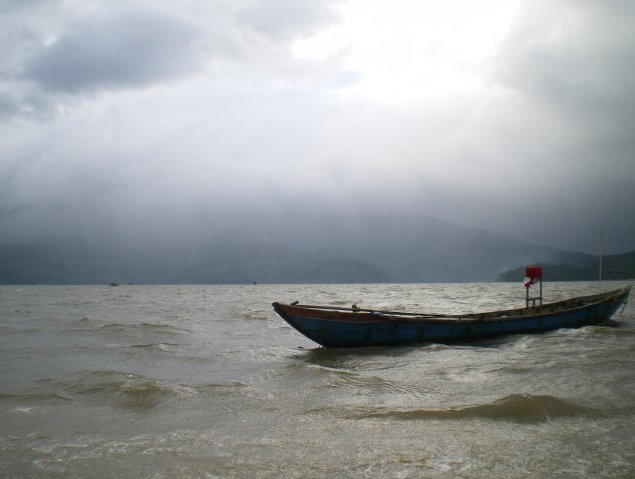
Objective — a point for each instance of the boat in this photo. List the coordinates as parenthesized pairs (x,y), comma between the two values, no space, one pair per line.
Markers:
(336,327)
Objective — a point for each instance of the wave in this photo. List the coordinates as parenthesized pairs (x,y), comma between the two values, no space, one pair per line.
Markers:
(6,330)
(147,395)
(128,391)
(320,369)
(84,320)
(520,408)
(370,386)
(33,397)
(221,389)
(123,390)
(165,347)
(254,314)
(145,327)
(614,329)
(253,353)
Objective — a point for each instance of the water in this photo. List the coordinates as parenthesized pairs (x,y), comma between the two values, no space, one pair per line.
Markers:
(207,382)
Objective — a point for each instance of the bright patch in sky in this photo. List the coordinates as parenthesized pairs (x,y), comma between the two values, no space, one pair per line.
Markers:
(408,50)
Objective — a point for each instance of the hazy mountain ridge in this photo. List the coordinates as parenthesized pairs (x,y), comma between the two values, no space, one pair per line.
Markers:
(370,248)
(614,267)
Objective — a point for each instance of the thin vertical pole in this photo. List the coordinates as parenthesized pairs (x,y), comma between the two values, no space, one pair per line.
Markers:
(601,252)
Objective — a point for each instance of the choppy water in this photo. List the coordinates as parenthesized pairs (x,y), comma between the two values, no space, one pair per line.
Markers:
(206,382)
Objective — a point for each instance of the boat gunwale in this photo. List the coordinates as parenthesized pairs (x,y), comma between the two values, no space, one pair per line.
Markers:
(362,315)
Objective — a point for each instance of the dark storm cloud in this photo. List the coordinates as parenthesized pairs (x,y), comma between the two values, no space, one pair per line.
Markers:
(569,63)
(127,50)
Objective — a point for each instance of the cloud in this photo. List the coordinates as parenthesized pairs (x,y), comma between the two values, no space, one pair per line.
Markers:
(559,121)
(11,6)
(287,19)
(58,54)
(572,56)
(126,50)
(181,115)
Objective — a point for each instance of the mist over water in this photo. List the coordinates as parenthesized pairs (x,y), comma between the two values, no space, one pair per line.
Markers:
(205,381)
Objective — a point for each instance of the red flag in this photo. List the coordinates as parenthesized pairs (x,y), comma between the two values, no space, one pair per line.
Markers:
(533,274)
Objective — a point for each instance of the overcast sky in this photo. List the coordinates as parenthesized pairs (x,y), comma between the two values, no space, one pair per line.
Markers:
(513,116)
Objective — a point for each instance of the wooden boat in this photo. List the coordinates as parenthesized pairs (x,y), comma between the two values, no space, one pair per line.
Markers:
(354,327)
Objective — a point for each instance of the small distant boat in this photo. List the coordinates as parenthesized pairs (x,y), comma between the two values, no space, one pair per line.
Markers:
(355,327)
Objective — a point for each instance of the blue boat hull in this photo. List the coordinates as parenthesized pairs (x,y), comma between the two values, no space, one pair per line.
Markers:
(332,327)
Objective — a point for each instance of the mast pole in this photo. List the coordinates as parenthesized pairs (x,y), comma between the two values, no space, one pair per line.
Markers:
(601,252)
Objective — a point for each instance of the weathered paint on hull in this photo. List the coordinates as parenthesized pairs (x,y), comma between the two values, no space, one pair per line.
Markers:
(358,333)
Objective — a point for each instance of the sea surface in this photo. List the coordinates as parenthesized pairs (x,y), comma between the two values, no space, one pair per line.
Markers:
(207,382)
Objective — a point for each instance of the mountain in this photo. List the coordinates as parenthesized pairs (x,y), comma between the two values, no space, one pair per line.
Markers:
(614,267)
(334,249)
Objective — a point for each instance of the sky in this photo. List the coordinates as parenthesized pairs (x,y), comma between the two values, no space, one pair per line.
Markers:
(156,116)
